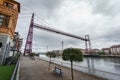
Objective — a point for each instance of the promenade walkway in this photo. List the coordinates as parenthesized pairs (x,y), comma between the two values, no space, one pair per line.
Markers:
(38,70)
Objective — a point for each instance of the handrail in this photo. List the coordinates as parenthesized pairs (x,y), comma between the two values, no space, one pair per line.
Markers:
(18,71)
(15,70)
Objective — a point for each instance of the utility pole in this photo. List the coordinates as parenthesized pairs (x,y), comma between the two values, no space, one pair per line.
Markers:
(62,45)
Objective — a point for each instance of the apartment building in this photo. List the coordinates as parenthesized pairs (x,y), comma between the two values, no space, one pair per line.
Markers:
(9,10)
(115,50)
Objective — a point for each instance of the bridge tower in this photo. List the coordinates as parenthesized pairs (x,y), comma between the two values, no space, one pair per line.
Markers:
(28,45)
(87,45)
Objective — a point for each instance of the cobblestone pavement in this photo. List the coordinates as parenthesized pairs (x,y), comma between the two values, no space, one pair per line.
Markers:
(38,70)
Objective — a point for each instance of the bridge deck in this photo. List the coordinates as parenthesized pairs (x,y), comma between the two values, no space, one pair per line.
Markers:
(38,70)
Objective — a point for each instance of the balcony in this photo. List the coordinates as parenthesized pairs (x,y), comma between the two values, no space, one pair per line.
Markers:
(8,11)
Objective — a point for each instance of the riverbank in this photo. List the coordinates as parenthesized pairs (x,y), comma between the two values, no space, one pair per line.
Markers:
(38,70)
(110,56)
(103,56)
(76,72)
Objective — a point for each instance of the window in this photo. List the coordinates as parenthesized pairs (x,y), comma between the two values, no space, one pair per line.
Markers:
(4,20)
(8,4)
(1,19)
(0,44)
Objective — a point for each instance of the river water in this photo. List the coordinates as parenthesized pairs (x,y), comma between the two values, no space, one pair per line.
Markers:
(104,67)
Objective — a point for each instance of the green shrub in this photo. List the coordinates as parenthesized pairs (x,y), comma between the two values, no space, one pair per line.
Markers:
(32,54)
(101,53)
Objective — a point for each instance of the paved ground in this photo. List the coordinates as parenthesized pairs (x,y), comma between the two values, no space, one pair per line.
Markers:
(38,70)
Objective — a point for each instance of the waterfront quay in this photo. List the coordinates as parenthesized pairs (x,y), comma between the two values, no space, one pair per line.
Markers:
(38,70)
(108,68)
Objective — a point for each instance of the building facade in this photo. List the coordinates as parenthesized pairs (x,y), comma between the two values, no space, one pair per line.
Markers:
(17,44)
(107,51)
(90,51)
(9,10)
(115,50)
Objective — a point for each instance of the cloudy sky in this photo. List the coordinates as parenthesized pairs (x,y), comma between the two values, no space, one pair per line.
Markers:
(98,18)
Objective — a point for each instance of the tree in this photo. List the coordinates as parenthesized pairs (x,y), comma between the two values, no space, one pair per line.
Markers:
(72,54)
(50,54)
(101,53)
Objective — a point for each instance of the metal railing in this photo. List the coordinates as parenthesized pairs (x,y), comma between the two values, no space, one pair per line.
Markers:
(15,74)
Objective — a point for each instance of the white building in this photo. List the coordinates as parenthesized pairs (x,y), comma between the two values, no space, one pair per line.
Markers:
(115,50)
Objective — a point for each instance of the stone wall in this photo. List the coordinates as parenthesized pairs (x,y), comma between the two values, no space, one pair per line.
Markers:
(5,49)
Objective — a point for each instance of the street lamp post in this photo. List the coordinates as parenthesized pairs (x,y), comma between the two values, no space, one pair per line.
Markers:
(46,48)
(62,51)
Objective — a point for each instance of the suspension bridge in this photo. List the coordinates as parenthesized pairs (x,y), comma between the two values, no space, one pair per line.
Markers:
(39,66)
(29,41)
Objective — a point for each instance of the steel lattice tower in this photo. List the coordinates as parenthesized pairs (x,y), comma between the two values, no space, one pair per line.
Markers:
(87,44)
(28,45)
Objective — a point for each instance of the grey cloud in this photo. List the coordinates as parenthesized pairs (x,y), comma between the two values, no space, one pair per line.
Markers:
(43,7)
(106,7)
(112,35)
